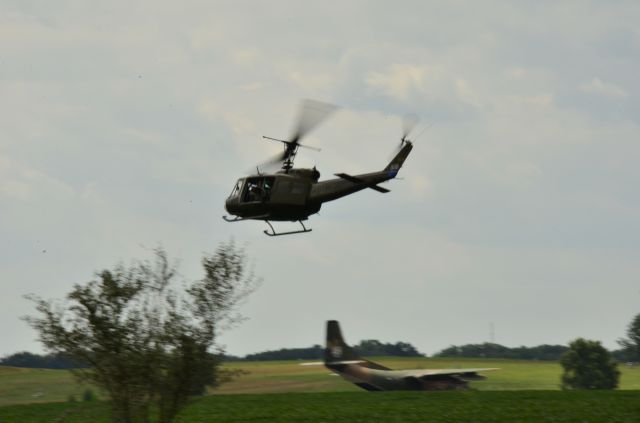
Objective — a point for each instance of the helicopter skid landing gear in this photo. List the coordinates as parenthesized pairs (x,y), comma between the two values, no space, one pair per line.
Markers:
(274,233)
(240,219)
(232,219)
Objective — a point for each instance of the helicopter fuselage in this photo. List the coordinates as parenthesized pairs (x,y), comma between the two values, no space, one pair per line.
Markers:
(295,194)
(291,197)
(278,197)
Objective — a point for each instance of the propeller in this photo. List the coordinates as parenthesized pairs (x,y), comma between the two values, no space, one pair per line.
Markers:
(310,115)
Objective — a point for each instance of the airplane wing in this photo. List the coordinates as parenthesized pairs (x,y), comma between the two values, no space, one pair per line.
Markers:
(468,374)
(322,363)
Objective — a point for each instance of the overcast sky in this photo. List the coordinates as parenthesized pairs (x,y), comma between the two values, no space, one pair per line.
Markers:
(126,124)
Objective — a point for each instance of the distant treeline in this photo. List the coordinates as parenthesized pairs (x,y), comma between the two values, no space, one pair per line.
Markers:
(540,352)
(36,361)
(370,347)
(490,350)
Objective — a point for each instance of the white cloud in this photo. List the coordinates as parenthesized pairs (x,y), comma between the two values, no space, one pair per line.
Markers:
(401,80)
(20,183)
(607,89)
(540,100)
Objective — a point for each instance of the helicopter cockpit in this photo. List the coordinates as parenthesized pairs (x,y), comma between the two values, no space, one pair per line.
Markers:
(253,189)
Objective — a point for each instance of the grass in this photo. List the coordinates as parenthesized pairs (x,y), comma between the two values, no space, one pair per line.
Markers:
(21,386)
(289,376)
(448,406)
(285,391)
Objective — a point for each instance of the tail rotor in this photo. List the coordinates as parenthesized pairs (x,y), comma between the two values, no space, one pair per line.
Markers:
(409,122)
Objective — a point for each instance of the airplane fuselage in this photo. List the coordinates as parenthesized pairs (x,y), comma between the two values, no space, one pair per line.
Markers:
(394,380)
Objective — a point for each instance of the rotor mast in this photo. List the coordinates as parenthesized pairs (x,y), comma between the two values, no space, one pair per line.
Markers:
(311,114)
(290,150)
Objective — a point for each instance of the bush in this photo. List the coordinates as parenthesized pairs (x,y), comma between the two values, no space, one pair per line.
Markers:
(588,365)
(88,395)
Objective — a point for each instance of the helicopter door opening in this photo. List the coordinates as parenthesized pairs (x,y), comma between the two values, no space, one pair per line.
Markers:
(257,189)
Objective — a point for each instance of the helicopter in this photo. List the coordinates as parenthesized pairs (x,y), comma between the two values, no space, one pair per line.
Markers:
(293,194)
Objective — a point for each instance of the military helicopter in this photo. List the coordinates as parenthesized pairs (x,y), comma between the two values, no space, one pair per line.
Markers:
(293,194)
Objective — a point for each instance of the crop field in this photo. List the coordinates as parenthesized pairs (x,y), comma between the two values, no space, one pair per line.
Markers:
(286,391)
(447,406)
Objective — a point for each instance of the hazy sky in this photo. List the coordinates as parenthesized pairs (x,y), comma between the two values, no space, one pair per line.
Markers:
(126,124)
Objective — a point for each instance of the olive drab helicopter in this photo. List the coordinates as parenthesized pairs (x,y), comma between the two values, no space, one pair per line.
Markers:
(293,194)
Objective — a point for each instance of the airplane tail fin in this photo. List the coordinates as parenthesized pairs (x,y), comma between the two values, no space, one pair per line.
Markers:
(336,349)
(396,163)
(337,352)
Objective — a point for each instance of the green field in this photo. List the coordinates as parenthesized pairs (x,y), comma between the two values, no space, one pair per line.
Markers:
(287,391)
(448,406)
(289,376)
(20,386)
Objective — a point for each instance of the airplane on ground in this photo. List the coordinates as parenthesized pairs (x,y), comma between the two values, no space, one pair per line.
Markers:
(340,358)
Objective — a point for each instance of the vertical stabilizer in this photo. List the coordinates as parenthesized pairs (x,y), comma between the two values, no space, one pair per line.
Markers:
(336,349)
(337,352)
(396,163)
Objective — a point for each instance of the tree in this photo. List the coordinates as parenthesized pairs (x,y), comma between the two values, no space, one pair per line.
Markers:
(631,345)
(588,365)
(146,344)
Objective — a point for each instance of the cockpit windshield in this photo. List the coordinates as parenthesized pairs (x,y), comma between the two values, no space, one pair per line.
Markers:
(236,189)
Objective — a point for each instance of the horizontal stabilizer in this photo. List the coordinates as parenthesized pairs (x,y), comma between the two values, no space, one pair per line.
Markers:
(379,189)
(360,181)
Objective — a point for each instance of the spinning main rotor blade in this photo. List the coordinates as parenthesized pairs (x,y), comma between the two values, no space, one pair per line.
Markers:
(312,113)
(274,162)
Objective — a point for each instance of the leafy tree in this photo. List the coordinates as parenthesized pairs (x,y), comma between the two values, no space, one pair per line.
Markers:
(588,365)
(631,345)
(146,344)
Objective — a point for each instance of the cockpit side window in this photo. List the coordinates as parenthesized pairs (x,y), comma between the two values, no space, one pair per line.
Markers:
(258,189)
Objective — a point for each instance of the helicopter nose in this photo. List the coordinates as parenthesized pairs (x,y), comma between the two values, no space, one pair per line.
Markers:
(230,205)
